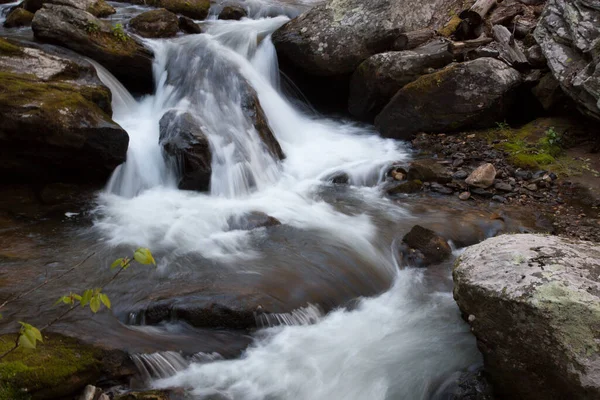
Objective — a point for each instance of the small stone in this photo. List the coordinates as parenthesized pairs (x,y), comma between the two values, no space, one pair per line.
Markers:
(464,196)
(483,177)
(523,175)
(499,199)
(399,176)
(533,187)
(460,174)
(505,187)
(458,162)
(471,318)
(436,187)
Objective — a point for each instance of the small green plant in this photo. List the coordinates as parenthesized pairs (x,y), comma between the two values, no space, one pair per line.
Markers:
(119,33)
(92,27)
(502,125)
(29,335)
(552,137)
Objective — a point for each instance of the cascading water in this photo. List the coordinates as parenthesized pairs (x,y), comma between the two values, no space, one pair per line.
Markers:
(405,344)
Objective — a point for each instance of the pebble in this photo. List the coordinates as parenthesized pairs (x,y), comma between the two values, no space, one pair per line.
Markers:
(436,187)
(505,187)
(533,187)
(523,175)
(499,199)
(464,196)
(460,174)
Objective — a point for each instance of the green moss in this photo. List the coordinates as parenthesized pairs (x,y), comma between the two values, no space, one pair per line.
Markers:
(449,29)
(57,367)
(427,82)
(7,48)
(8,392)
(532,161)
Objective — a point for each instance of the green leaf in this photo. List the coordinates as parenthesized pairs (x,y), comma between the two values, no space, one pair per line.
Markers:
(105,300)
(144,256)
(87,296)
(26,342)
(76,296)
(117,263)
(95,304)
(29,335)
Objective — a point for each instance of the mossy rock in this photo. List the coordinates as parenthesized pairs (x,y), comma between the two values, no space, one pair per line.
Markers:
(18,17)
(156,24)
(9,49)
(59,367)
(195,9)
(101,9)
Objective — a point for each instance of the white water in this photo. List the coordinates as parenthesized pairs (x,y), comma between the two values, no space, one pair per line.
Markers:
(405,344)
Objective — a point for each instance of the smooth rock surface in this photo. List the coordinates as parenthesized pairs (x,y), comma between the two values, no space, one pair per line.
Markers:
(18,17)
(483,176)
(569,34)
(533,302)
(473,94)
(159,23)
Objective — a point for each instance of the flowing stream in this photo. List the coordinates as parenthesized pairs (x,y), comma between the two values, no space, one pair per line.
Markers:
(407,343)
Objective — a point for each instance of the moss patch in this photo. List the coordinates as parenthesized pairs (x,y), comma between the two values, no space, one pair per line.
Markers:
(449,29)
(9,49)
(58,367)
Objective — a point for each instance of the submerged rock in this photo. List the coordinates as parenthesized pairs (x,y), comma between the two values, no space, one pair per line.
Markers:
(56,119)
(252,220)
(110,45)
(467,95)
(155,24)
(533,302)
(189,26)
(233,12)
(181,137)
(434,248)
(568,33)
(18,17)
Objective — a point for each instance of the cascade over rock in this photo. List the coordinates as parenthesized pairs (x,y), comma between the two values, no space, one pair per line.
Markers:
(533,303)
(56,119)
(569,34)
(80,31)
(473,94)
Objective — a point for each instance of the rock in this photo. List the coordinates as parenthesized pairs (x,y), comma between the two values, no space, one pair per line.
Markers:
(155,24)
(147,395)
(535,56)
(434,247)
(467,95)
(499,199)
(80,31)
(405,187)
(189,26)
(252,220)
(195,9)
(436,187)
(523,175)
(503,186)
(548,92)
(181,137)
(18,17)
(533,187)
(60,368)
(98,8)
(334,37)
(90,393)
(483,177)
(568,32)
(340,178)
(464,196)
(101,9)
(233,12)
(378,78)
(460,174)
(55,117)
(428,171)
(536,310)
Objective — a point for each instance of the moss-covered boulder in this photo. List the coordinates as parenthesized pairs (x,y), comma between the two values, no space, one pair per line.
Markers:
(56,119)
(101,9)
(533,302)
(108,44)
(474,94)
(18,17)
(58,368)
(155,24)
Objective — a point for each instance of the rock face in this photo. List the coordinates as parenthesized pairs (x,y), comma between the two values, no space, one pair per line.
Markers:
(56,121)
(533,302)
(377,79)
(569,32)
(473,94)
(155,24)
(80,31)
(18,17)
(182,138)
(483,177)
(334,37)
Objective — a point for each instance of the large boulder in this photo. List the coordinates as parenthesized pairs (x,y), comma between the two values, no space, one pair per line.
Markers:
(378,78)
(569,32)
(334,37)
(18,17)
(155,24)
(56,119)
(110,45)
(181,138)
(533,302)
(98,8)
(473,94)
(196,9)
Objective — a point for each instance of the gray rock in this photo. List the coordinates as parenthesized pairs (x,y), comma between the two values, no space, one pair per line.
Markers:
(80,31)
(483,177)
(233,12)
(472,94)
(569,32)
(548,92)
(377,79)
(460,174)
(503,186)
(334,37)
(499,199)
(252,220)
(405,187)
(428,171)
(436,187)
(155,24)
(533,303)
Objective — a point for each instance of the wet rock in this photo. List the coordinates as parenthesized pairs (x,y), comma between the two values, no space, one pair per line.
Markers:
(482,192)
(90,393)
(464,196)
(98,8)
(499,199)
(233,12)
(467,95)
(334,37)
(434,248)
(18,17)
(377,79)
(471,385)
(523,175)
(533,303)
(195,9)
(341,178)
(436,187)
(181,137)
(428,171)
(535,56)
(483,177)
(189,26)
(533,187)
(405,187)
(55,117)
(460,174)
(252,220)
(101,9)
(568,32)
(147,395)
(155,24)
(80,31)
(503,186)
